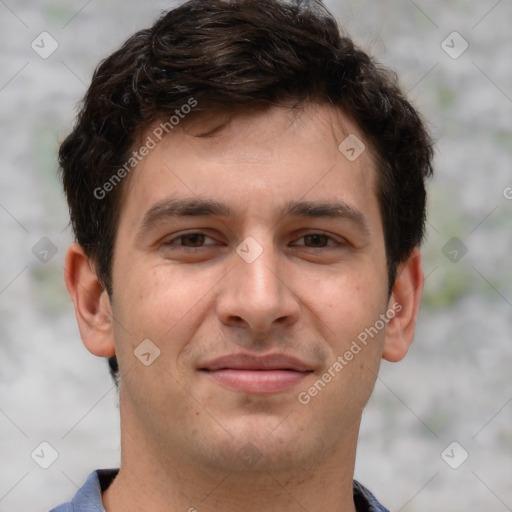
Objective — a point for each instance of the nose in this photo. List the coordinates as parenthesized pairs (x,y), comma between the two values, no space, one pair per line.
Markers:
(255,295)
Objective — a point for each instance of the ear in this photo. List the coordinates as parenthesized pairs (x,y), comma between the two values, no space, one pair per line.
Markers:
(404,302)
(91,301)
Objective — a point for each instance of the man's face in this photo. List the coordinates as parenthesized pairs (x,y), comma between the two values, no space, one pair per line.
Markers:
(252,258)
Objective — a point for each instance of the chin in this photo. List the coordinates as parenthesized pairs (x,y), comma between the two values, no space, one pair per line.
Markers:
(264,444)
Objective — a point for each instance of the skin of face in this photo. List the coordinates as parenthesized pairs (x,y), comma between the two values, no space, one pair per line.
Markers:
(274,271)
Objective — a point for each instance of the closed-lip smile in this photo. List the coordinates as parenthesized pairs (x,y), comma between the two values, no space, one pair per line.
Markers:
(262,374)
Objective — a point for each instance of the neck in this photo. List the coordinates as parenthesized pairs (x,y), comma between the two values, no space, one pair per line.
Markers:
(157,483)
(161,477)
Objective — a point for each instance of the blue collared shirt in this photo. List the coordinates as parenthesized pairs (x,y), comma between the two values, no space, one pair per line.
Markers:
(88,498)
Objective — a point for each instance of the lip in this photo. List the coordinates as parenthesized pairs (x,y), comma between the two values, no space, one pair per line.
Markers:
(266,374)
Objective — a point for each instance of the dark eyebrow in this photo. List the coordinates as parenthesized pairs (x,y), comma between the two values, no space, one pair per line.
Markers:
(338,209)
(190,207)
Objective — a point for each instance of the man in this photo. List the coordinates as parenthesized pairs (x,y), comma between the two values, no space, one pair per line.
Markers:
(247,192)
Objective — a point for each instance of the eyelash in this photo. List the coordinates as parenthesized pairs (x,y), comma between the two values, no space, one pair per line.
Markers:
(172,242)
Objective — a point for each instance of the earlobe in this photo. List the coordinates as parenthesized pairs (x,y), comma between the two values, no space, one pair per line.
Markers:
(91,302)
(403,305)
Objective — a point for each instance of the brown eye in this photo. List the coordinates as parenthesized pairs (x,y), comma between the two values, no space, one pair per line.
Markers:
(192,239)
(316,240)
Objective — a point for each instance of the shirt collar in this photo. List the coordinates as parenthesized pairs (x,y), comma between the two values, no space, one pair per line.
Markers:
(88,498)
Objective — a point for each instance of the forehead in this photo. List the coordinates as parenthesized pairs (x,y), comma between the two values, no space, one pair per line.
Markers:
(258,159)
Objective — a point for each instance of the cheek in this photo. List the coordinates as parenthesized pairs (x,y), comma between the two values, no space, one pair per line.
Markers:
(347,302)
(159,304)
(149,296)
